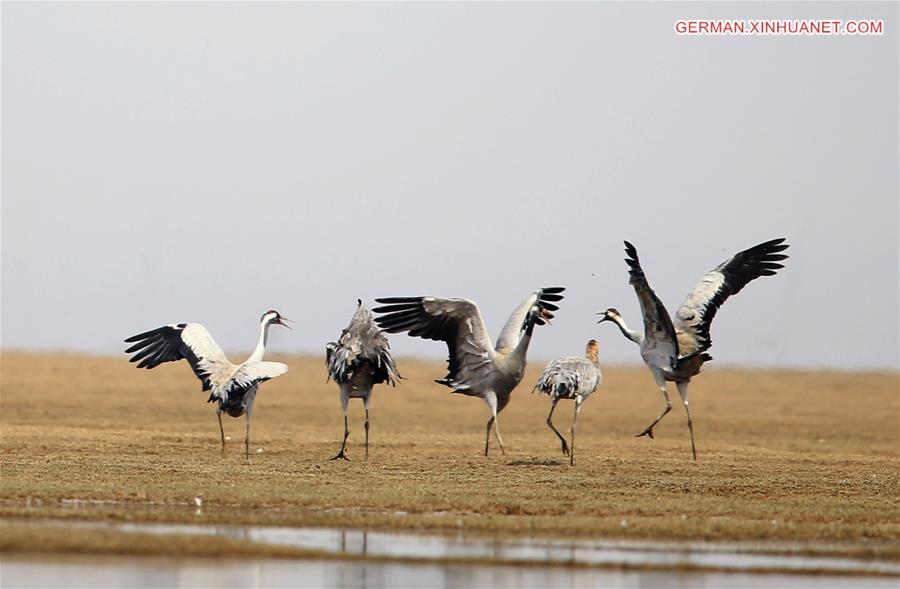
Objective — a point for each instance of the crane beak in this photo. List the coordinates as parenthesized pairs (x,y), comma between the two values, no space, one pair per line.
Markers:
(281,321)
(604,318)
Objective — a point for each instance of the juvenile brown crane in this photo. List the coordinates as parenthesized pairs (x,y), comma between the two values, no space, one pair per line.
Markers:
(571,377)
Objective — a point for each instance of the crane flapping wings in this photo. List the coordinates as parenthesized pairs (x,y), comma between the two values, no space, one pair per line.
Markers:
(696,313)
(362,340)
(457,322)
(659,333)
(188,341)
(537,309)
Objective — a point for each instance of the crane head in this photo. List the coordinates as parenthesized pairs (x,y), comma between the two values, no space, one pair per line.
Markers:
(610,314)
(273,317)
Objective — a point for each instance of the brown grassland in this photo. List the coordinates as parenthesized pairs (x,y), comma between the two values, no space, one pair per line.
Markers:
(784,456)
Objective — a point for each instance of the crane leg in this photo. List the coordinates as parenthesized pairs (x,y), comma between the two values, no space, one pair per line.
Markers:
(249,399)
(221,429)
(578,402)
(341,454)
(491,399)
(683,391)
(366,404)
(660,381)
(565,445)
(344,399)
(497,433)
(247,438)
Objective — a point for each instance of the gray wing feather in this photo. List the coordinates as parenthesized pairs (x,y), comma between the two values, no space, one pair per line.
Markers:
(696,313)
(660,346)
(457,322)
(566,378)
(184,341)
(537,309)
(361,341)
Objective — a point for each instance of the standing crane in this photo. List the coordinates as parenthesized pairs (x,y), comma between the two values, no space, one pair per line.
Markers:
(571,377)
(676,352)
(475,367)
(360,359)
(232,386)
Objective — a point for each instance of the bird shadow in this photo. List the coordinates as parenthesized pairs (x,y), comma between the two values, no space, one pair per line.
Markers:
(535,462)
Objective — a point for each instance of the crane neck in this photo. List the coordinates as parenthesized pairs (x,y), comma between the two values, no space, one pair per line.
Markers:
(521,349)
(592,353)
(628,333)
(257,354)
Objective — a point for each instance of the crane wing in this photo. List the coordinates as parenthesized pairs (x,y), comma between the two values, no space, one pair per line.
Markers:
(362,340)
(188,341)
(660,346)
(694,317)
(232,389)
(256,372)
(457,322)
(537,309)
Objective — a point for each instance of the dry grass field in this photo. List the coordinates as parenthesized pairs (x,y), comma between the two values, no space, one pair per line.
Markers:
(791,456)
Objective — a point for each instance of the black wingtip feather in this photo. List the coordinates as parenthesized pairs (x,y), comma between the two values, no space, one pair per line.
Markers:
(394,300)
(396,307)
(136,347)
(141,336)
(148,351)
(777,242)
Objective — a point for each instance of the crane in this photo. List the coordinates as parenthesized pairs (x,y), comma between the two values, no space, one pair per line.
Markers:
(676,351)
(475,367)
(360,359)
(232,386)
(571,377)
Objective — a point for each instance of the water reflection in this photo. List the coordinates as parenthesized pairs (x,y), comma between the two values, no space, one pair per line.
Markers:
(623,553)
(102,572)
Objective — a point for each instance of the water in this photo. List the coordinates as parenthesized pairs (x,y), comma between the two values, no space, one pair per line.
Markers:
(129,571)
(526,550)
(523,562)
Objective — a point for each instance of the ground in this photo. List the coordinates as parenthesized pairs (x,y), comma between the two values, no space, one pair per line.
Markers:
(786,455)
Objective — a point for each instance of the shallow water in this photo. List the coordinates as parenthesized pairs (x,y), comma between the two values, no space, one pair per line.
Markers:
(72,572)
(608,553)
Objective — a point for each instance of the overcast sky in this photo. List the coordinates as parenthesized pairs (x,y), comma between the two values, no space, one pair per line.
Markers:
(172,162)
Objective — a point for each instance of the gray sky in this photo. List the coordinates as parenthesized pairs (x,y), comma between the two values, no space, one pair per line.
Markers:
(169,162)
